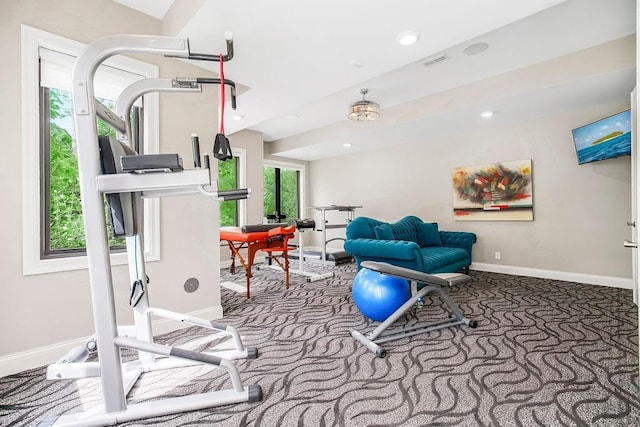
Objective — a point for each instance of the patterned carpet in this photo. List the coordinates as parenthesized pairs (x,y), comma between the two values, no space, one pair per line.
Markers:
(545,353)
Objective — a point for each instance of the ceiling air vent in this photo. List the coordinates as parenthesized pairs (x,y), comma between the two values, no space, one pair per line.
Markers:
(437,59)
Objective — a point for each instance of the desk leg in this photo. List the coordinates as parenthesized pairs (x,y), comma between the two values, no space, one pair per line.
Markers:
(249,283)
(232,267)
(251,255)
(283,264)
(285,255)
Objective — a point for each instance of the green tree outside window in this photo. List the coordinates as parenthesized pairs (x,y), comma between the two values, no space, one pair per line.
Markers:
(66,228)
(228,180)
(289,192)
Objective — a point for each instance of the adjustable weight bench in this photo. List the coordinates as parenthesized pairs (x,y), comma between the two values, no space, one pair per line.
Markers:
(422,284)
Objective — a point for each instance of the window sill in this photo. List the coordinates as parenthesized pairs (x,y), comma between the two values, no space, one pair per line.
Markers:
(56,265)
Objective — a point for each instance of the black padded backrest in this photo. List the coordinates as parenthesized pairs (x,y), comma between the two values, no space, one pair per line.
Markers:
(122,211)
(252,228)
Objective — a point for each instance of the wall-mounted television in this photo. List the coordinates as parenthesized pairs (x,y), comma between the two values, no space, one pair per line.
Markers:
(604,139)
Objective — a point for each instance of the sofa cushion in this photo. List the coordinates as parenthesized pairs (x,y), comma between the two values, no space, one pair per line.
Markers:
(362,228)
(383,232)
(405,229)
(428,234)
(436,257)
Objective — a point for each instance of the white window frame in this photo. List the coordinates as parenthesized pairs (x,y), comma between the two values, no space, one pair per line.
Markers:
(302,169)
(32,40)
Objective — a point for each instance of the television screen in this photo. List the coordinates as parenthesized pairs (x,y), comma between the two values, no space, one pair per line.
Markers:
(604,139)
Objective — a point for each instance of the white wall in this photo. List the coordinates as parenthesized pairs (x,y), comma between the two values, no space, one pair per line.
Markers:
(579,211)
(252,142)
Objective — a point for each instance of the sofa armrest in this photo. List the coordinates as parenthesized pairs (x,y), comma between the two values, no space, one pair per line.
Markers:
(377,249)
(458,239)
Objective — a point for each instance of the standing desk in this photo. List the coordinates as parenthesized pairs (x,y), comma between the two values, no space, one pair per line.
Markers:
(340,256)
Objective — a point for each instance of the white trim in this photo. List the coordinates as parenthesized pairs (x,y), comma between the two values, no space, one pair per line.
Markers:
(151,142)
(31,40)
(18,362)
(590,279)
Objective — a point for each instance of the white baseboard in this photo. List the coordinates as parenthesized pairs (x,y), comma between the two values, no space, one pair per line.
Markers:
(41,356)
(591,279)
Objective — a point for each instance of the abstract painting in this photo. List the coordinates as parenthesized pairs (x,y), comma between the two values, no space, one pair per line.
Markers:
(493,192)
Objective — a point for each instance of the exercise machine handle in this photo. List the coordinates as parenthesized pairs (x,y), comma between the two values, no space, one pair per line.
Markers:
(195,147)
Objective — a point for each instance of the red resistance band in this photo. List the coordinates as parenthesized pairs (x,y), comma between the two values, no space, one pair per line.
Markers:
(222,98)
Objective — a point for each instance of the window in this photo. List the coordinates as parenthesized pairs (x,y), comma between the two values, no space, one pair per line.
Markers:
(283,191)
(231,176)
(61,214)
(228,180)
(52,214)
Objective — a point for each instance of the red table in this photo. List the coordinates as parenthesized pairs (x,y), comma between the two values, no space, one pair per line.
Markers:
(274,242)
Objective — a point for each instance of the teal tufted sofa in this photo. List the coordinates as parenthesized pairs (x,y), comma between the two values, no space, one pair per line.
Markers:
(409,243)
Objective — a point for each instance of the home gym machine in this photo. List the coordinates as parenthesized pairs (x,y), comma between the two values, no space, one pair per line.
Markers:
(110,167)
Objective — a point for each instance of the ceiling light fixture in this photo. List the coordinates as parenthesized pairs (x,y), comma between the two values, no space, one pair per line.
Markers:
(364,110)
(237,117)
(408,38)
(346,144)
(486,114)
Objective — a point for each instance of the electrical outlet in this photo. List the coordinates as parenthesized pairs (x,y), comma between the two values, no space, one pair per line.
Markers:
(498,255)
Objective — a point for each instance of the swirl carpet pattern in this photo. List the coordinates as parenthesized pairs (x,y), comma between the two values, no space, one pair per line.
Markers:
(545,353)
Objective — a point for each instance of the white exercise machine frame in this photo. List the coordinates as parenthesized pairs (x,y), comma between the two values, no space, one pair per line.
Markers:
(73,365)
(116,378)
(301,225)
(310,276)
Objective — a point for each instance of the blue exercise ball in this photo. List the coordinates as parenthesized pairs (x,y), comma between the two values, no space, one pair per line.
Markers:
(377,295)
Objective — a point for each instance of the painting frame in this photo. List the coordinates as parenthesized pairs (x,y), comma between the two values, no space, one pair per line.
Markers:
(501,191)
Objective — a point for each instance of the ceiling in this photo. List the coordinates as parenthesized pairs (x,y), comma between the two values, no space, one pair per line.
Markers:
(310,60)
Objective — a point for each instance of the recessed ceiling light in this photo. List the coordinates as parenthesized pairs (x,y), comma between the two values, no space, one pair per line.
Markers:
(475,48)
(408,38)
(237,117)
(346,144)
(292,116)
(486,114)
